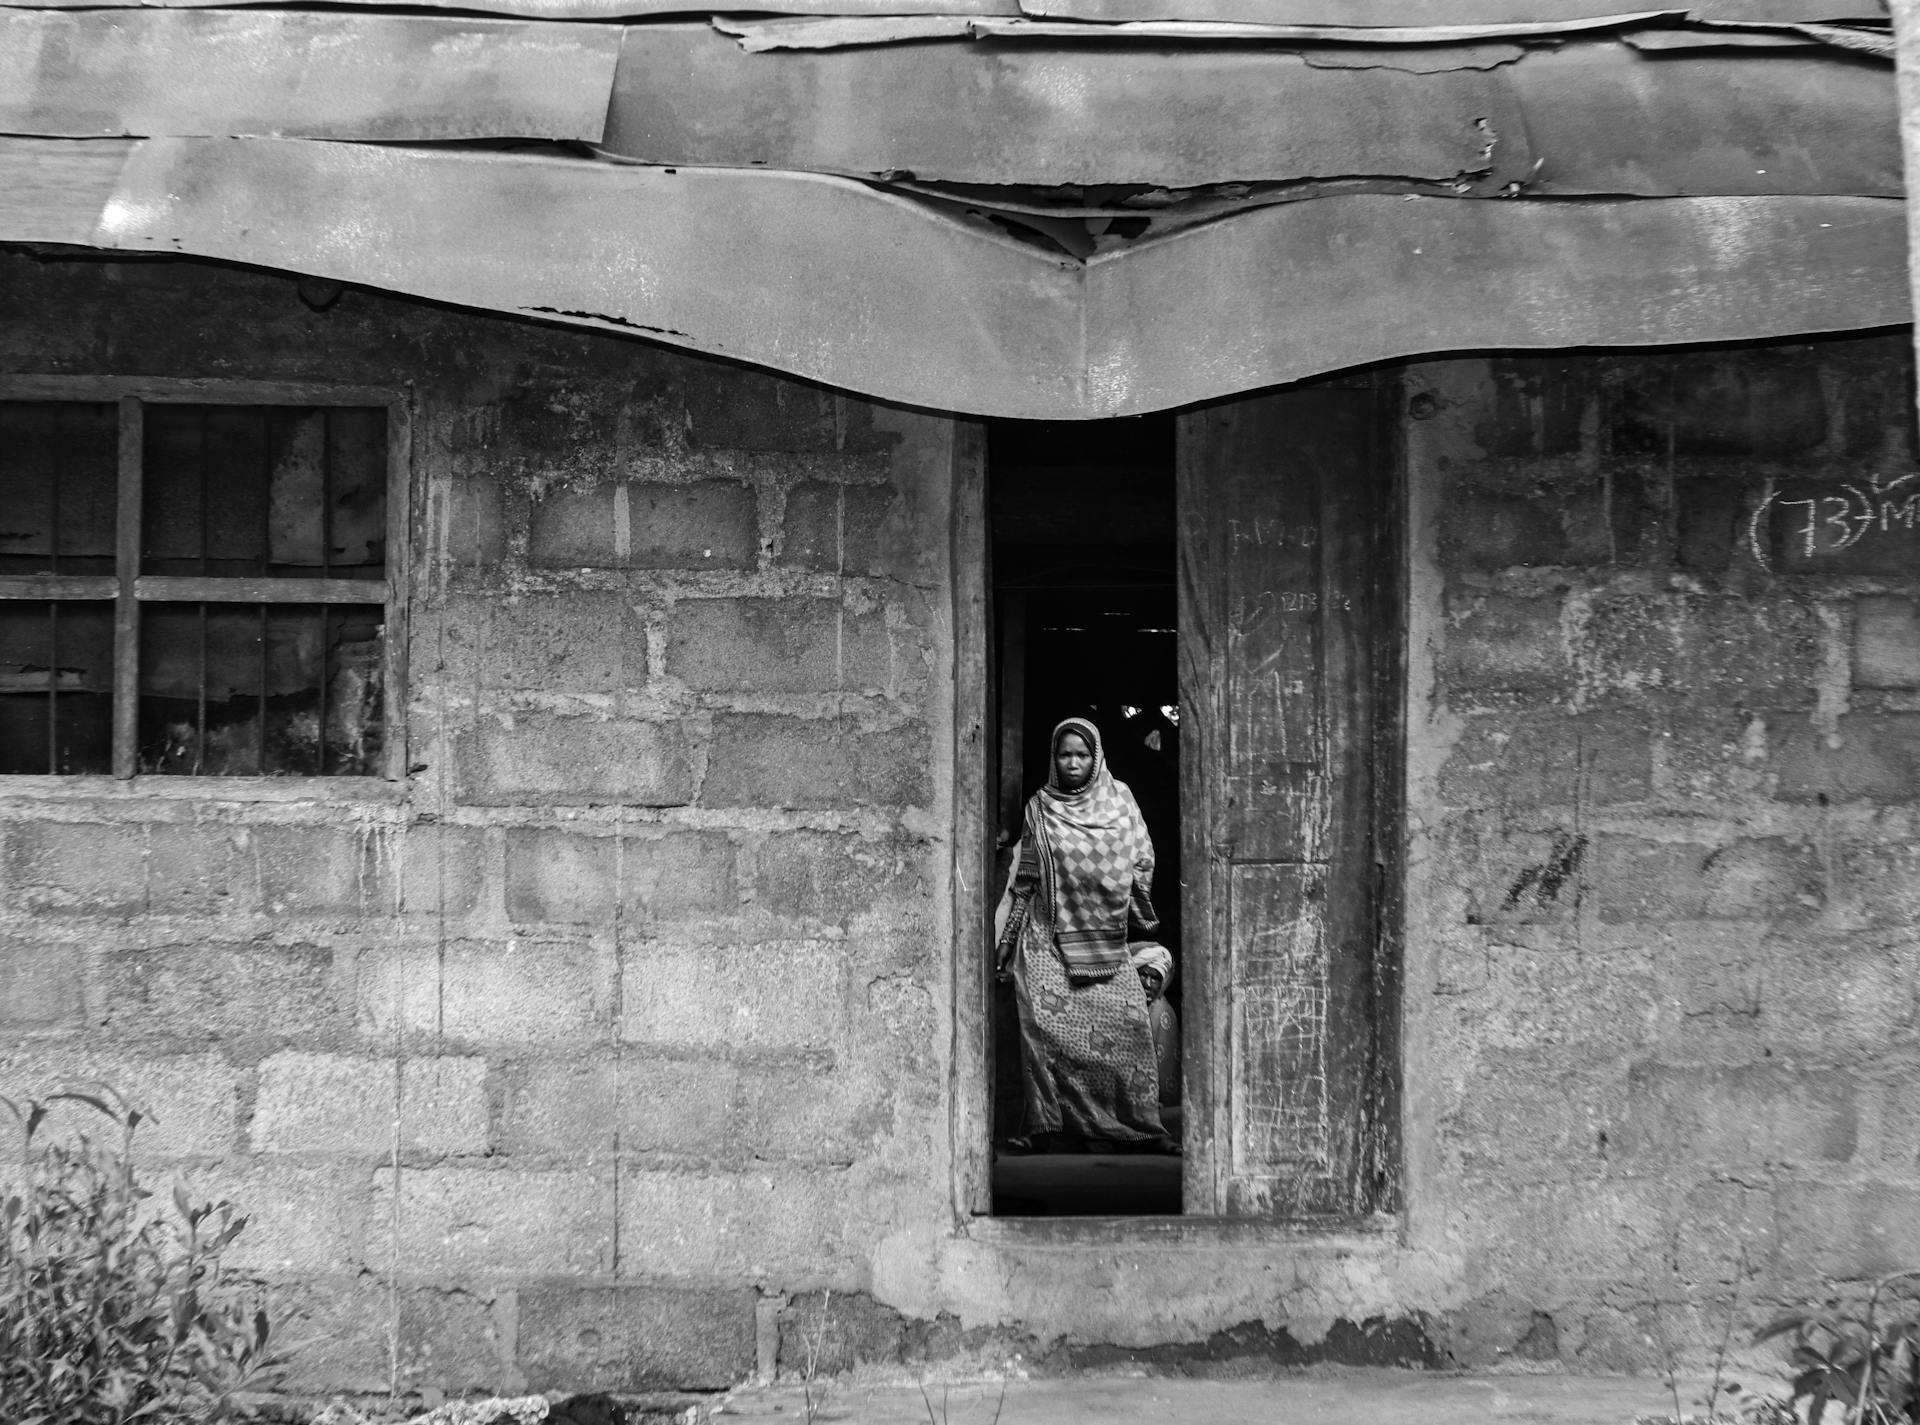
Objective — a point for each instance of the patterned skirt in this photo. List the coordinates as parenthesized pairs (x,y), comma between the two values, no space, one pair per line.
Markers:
(1086,1051)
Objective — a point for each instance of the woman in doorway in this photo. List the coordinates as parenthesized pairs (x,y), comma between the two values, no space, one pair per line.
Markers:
(1082,878)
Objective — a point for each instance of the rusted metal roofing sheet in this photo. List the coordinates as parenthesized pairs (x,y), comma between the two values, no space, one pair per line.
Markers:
(376,77)
(1588,116)
(1042,114)
(1355,13)
(1373,277)
(1430,12)
(1602,118)
(54,190)
(830,280)
(823,32)
(585,9)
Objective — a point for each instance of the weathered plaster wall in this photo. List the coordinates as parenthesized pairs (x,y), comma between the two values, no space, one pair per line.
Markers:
(628,1016)
(630,1003)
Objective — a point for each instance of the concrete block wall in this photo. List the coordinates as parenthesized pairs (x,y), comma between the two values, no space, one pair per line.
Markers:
(624,1010)
(625,1019)
(1663,935)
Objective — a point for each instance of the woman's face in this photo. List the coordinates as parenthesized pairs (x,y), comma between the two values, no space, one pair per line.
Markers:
(1072,761)
(1150,982)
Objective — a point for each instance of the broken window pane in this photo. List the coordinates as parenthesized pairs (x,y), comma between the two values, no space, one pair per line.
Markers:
(261,689)
(59,461)
(281,491)
(56,686)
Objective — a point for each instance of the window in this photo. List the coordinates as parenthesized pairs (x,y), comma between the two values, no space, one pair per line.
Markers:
(195,578)
(1247,553)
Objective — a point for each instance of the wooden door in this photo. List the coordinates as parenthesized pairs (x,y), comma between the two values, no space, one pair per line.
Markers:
(1290,770)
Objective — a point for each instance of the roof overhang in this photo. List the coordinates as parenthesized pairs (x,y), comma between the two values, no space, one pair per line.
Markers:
(992,220)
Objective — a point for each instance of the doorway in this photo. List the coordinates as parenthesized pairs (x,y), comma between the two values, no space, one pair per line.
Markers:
(1081,520)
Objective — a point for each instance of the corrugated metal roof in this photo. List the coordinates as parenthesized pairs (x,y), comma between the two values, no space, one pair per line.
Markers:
(280,73)
(1583,116)
(831,280)
(999,215)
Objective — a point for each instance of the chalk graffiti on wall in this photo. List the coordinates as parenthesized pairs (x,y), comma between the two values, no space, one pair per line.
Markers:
(1810,524)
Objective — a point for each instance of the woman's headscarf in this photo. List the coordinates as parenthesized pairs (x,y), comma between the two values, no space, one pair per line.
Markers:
(1091,845)
(1148,956)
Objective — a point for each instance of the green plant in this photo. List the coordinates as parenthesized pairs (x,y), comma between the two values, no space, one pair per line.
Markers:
(112,1308)
(1869,1366)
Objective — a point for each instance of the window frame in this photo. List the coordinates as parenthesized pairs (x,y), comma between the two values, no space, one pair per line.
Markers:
(126,589)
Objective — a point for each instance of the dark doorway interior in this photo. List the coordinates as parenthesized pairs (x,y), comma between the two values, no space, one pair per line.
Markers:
(1085,625)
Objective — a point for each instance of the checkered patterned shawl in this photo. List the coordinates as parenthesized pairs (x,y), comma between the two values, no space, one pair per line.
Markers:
(1091,846)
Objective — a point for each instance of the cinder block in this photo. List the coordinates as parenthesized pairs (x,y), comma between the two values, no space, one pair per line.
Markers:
(779,1225)
(632,1104)
(708,524)
(637,1337)
(831,1333)
(1881,882)
(1483,530)
(1538,406)
(561,422)
(324,1103)
(320,870)
(822,878)
(1837,994)
(356,1107)
(1723,650)
(560,876)
(1757,878)
(1542,759)
(1711,519)
(190,1100)
(300,1220)
(443,1105)
(562,641)
(454,1341)
(198,870)
(843,528)
(813,1117)
(1501,644)
(1742,403)
(1710,972)
(679,876)
(42,984)
(1535,1114)
(1847,1232)
(1886,642)
(76,868)
(1877,760)
(476,521)
(772,761)
(1510,876)
(559,761)
(1738,1116)
(753,410)
(441,868)
(495,1222)
(788,645)
(783,995)
(516,991)
(231,992)
(1764,652)
(344,1324)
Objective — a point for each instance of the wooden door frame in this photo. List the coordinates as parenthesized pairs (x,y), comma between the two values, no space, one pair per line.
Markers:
(975,793)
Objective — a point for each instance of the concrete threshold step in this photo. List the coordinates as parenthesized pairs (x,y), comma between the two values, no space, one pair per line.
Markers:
(1319,1397)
